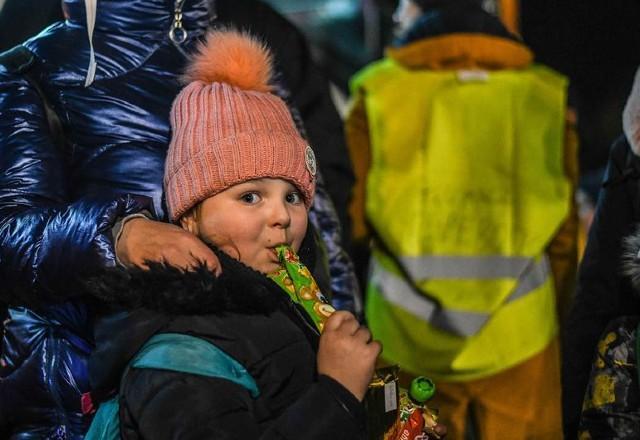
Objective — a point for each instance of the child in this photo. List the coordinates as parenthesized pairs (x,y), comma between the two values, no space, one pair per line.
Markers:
(239,176)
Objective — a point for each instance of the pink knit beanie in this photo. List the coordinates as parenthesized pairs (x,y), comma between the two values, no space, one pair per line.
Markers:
(228,128)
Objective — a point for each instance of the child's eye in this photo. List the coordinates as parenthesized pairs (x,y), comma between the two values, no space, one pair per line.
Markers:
(250,197)
(294,198)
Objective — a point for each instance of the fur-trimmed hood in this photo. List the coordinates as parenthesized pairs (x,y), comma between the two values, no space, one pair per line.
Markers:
(170,291)
(631,259)
(146,302)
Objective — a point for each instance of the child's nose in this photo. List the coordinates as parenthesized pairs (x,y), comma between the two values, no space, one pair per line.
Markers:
(280,216)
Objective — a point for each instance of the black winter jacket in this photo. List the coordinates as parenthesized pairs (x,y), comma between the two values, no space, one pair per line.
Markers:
(247,316)
(603,293)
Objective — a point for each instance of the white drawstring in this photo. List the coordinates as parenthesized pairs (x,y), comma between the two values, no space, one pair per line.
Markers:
(91,6)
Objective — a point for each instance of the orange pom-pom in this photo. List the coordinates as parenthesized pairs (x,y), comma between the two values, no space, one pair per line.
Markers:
(232,57)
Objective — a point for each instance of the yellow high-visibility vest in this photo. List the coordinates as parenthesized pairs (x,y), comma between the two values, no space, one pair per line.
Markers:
(466,189)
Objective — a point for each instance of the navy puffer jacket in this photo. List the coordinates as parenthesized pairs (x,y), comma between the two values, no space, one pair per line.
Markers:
(59,203)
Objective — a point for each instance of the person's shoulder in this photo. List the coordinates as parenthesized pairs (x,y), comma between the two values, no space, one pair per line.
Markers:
(57,42)
(620,147)
(619,332)
(547,76)
(627,323)
(622,155)
(376,72)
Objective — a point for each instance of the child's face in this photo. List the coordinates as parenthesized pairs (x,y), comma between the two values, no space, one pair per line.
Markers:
(250,219)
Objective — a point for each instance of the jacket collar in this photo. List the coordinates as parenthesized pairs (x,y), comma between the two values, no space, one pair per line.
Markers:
(123,16)
(172,292)
(147,302)
(459,35)
(462,51)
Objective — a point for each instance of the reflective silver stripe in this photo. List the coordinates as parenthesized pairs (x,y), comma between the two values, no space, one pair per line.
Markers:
(533,277)
(400,293)
(481,268)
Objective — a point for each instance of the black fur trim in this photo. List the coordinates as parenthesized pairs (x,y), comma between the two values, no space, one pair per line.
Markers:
(169,290)
(631,258)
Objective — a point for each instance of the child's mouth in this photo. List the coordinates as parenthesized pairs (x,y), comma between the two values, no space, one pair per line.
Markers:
(276,250)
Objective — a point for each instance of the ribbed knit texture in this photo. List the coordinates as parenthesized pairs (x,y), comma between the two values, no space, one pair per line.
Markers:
(224,135)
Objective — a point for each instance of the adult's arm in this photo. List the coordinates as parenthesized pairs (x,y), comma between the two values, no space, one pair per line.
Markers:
(344,284)
(563,249)
(47,238)
(358,143)
(169,405)
(602,293)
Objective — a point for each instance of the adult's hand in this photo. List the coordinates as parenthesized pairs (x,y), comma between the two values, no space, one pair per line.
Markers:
(347,354)
(145,240)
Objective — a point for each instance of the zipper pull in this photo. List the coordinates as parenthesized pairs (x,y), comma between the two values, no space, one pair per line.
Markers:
(178,34)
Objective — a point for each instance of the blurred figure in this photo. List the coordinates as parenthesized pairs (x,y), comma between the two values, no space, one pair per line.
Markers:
(603,292)
(83,137)
(465,173)
(611,407)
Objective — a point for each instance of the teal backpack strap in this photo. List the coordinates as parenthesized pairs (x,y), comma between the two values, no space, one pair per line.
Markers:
(106,422)
(172,352)
(190,354)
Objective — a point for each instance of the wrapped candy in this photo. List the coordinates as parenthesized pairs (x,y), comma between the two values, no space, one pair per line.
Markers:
(395,414)
(415,421)
(381,402)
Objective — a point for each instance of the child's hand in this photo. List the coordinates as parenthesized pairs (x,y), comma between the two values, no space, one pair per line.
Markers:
(347,354)
(148,240)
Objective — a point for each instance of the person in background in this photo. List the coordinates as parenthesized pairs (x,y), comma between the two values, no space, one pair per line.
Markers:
(83,138)
(612,400)
(239,176)
(603,293)
(465,174)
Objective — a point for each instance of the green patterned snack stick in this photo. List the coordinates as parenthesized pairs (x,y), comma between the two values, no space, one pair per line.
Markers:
(296,280)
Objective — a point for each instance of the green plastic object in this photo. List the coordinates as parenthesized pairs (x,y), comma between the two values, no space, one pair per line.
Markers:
(422,389)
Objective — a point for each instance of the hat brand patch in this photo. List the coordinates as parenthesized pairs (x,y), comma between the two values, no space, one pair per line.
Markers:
(310,160)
